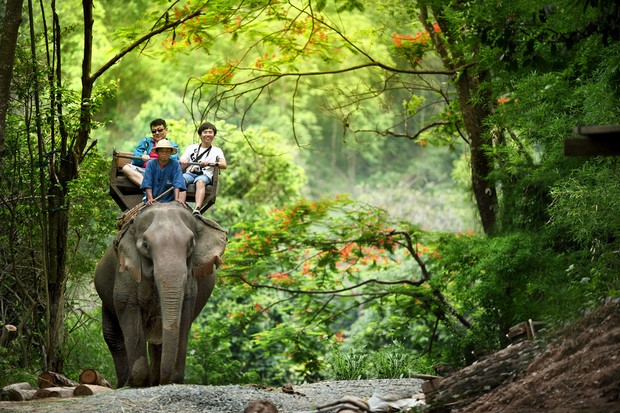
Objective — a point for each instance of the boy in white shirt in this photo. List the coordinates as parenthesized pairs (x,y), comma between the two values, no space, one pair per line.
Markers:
(208,156)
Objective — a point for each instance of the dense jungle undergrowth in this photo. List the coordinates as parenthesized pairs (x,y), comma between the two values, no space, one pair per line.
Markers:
(397,202)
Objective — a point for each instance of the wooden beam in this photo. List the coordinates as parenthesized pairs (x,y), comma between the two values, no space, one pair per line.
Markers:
(587,146)
(595,140)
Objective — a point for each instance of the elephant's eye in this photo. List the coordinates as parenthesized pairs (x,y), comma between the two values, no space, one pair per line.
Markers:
(144,247)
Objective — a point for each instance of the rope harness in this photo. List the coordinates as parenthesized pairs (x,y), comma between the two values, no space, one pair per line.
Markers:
(124,221)
(130,214)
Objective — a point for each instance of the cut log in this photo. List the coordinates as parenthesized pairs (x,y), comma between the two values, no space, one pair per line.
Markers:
(18,395)
(52,379)
(90,376)
(54,392)
(16,388)
(19,386)
(8,333)
(89,389)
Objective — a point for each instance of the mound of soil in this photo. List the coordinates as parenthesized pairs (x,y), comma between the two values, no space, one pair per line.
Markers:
(579,371)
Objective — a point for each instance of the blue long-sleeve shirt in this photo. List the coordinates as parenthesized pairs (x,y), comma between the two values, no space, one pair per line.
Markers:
(161,179)
(145,146)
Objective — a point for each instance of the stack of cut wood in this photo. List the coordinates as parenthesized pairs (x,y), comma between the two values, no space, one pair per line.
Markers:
(56,385)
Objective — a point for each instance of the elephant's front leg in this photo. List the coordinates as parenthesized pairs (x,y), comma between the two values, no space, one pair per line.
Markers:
(135,343)
(113,337)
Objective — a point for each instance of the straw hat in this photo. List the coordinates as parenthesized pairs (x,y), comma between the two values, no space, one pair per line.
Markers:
(165,144)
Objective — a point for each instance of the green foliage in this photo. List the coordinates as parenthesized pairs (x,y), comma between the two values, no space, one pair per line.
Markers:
(393,361)
(348,365)
(210,360)
(501,281)
(261,174)
(10,357)
(294,283)
(92,218)
(585,204)
(300,279)
(85,346)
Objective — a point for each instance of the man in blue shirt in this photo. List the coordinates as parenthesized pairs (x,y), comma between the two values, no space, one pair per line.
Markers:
(144,151)
(162,174)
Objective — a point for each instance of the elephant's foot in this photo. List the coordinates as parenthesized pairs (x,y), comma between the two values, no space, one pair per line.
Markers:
(140,376)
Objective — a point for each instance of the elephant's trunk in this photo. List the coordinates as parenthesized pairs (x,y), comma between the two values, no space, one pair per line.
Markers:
(171,292)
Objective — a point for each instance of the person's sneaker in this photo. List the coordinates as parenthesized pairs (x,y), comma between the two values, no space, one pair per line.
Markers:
(196,211)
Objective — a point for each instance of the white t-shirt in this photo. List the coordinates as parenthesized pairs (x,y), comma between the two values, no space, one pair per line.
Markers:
(195,151)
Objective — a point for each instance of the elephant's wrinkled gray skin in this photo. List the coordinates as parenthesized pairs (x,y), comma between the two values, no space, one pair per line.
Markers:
(152,285)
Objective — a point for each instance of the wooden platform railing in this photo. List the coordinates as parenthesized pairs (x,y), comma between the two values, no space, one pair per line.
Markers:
(126,194)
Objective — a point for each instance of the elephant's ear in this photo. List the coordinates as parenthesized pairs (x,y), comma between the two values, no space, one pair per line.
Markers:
(210,245)
(128,257)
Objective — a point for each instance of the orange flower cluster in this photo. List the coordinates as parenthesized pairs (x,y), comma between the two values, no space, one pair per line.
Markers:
(259,308)
(223,73)
(280,278)
(189,32)
(249,244)
(179,12)
(369,255)
(259,62)
(427,250)
(232,27)
(468,233)
(235,315)
(286,216)
(404,41)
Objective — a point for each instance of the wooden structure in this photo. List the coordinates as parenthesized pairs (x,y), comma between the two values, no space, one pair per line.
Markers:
(526,330)
(127,195)
(596,140)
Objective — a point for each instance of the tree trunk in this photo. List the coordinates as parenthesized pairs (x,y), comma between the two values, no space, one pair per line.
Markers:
(474,115)
(58,221)
(8,44)
(474,111)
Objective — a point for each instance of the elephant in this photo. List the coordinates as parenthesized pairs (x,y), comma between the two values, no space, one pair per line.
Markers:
(153,282)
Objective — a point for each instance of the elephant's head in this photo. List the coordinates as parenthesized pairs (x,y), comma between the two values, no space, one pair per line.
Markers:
(172,254)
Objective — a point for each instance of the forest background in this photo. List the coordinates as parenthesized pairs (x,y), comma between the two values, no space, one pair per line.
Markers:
(397,195)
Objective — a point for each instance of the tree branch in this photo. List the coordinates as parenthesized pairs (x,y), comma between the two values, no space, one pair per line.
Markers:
(143,39)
